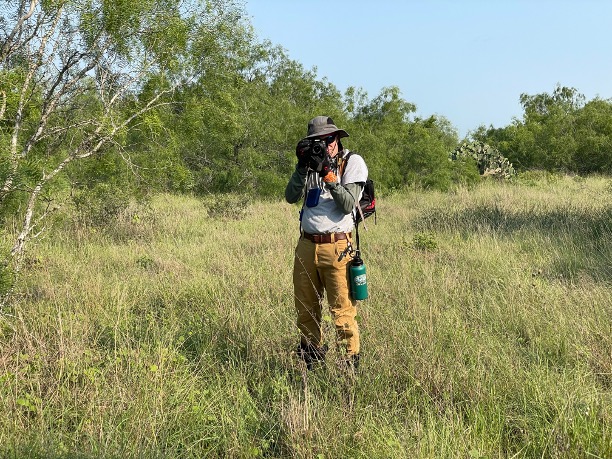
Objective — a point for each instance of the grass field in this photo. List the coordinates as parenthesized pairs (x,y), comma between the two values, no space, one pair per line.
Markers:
(169,333)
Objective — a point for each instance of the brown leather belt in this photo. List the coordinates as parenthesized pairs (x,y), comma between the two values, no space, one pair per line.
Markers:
(326,238)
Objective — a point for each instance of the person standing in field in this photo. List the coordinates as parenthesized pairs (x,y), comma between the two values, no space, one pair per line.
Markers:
(330,186)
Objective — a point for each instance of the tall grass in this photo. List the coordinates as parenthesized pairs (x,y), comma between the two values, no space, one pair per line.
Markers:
(488,333)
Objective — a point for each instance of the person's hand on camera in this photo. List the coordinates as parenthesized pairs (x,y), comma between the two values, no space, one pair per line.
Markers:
(302,152)
(326,172)
(323,167)
(316,163)
(326,166)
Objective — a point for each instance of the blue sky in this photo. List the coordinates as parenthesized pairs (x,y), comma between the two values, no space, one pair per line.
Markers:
(468,60)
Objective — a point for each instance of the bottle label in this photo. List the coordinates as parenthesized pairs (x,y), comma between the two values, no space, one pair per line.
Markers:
(360,280)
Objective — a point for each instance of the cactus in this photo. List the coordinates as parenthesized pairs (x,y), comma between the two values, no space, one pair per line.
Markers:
(489,160)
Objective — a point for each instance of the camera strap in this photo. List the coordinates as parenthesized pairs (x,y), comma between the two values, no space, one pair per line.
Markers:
(307,184)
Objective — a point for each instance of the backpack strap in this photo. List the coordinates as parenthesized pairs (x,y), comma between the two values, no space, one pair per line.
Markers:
(342,163)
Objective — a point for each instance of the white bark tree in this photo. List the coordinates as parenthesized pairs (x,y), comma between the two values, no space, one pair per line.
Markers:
(69,70)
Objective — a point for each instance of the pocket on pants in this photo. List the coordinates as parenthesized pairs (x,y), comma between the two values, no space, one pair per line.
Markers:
(340,248)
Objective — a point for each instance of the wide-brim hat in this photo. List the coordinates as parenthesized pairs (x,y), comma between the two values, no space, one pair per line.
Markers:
(324,125)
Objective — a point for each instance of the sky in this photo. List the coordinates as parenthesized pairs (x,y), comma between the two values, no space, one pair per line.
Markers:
(466,60)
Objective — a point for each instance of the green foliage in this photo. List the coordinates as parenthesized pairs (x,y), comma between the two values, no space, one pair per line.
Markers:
(96,71)
(100,204)
(593,133)
(236,127)
(464,172)
(424,242)
(489,161)
(538,177)
(399,151)
(147,263)
(559,131)
(227,206)
(425,164)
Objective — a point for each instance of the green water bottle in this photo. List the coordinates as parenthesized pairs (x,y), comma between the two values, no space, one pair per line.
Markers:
(357,274)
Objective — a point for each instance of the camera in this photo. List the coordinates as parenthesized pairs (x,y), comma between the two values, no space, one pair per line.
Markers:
(318,148)
(309,148)
(313,153)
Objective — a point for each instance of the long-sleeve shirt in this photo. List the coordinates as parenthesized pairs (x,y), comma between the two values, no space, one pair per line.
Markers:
(337,200)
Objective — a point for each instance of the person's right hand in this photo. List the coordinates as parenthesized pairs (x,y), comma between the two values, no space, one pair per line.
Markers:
(302,151)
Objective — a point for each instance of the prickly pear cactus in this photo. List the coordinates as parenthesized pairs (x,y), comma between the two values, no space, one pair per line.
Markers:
(489,160)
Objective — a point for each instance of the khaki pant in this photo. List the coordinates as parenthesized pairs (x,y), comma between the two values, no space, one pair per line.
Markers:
(316,269)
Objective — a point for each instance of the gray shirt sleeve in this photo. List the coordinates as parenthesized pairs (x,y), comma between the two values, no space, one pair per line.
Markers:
(344,195)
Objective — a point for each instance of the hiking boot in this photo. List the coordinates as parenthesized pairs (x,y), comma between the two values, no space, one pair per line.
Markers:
(355,361)
(311,354)
(351,363)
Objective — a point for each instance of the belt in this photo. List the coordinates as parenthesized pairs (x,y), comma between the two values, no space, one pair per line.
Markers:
(325,238)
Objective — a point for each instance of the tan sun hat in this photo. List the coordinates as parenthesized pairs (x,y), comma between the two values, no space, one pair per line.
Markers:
(323,125)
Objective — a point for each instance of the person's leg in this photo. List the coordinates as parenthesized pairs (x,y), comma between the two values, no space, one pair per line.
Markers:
(308,291)
(335,276)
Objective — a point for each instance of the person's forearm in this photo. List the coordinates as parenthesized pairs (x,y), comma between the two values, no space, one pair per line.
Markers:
(295,188)
(344,195)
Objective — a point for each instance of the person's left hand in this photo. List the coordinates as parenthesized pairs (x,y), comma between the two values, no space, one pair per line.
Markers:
(323,168)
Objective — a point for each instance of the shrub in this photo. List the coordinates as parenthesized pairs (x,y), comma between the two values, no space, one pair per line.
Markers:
(489,160)
(100,204)
(229,206)
(425,242)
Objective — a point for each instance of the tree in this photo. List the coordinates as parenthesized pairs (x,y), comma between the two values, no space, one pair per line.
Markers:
(550,119)
(72,86)
(400,150)
(380,127)
(594,134)
(557,131)
(552,132)
(238,124)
